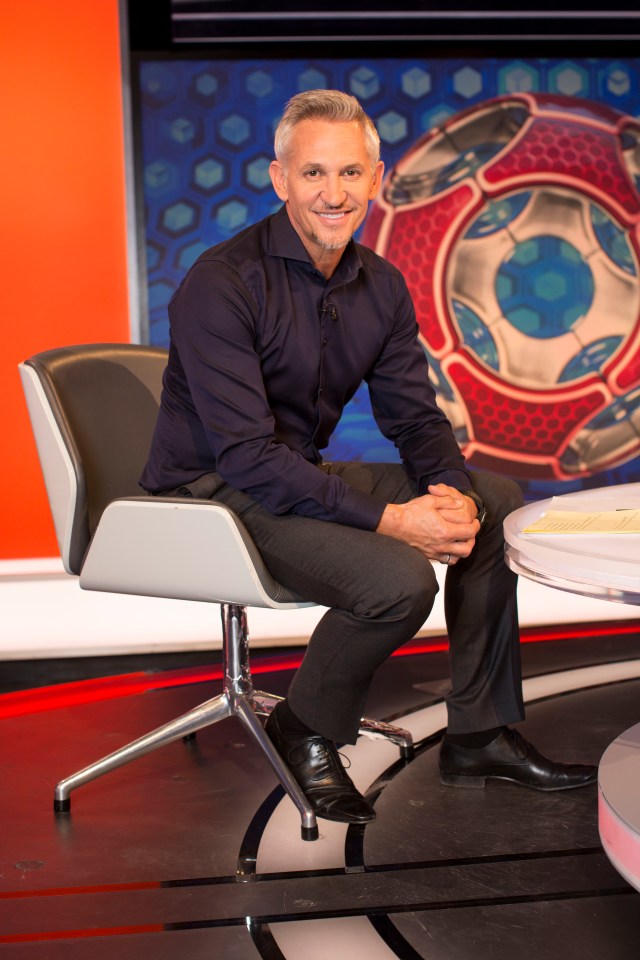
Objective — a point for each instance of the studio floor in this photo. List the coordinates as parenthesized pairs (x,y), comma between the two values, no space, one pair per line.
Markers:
(194,852)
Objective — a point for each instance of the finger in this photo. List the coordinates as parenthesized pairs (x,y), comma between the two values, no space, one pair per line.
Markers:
(443,490)
(459,549)
(449,559)
(442,504)
(449,503)
(455,516)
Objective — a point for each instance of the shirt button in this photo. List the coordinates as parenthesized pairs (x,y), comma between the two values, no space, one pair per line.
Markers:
(324,341)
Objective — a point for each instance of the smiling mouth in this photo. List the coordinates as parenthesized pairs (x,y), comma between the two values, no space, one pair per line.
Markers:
(339,215)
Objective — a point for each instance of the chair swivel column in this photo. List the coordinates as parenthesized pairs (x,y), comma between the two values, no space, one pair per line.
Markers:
(239,689)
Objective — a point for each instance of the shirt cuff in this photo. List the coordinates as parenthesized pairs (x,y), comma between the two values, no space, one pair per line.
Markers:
(360,509)
(458,479)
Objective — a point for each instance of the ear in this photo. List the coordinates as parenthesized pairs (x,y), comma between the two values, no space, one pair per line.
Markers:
(279,180)
(378,174)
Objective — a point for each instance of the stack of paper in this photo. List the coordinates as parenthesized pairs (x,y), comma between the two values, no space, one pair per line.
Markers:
(621,520)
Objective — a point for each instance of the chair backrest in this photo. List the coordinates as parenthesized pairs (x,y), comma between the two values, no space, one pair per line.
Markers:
(93,409)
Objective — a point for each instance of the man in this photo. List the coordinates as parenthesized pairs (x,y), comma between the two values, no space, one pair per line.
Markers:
(272,332)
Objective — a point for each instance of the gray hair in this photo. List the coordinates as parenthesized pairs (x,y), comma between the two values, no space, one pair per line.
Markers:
(331,105)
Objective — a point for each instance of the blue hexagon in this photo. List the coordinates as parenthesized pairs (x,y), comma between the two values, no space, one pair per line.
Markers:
(312,79)
(179,217)
(392,126)
(467,82)
(257,172)
(527,320)
(569,79)
(416,82)
(182,130)
(235,129)
(160,177)
(618,80)
(549,285)
(208,174)
(518,77)
(231,216)
(157,82)
(206,84)
(259,83)
(364,83)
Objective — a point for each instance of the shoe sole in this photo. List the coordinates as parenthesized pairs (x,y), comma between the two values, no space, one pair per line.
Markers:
(353,823)
(458,780)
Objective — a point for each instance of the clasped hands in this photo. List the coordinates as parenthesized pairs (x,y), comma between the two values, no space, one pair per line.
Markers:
(442,524)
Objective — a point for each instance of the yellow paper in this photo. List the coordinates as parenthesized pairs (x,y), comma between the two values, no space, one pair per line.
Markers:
(597,521)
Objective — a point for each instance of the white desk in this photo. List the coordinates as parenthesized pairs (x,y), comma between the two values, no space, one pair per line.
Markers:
(606,567)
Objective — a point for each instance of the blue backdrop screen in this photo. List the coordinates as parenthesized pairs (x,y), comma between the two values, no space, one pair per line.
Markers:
(536,342)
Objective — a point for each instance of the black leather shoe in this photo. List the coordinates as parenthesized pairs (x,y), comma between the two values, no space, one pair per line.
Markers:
(509,757)
(316,765)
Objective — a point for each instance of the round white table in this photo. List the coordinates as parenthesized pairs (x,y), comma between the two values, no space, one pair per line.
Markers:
(605,566)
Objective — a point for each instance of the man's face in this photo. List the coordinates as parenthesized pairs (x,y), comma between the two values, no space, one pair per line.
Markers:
(326,183)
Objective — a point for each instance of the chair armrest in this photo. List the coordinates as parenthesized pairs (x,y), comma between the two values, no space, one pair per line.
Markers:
(180,548)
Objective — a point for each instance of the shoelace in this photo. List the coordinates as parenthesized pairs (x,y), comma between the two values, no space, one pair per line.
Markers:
(346,761)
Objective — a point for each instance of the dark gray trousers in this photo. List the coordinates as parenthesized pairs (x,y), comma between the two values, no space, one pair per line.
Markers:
(380,592)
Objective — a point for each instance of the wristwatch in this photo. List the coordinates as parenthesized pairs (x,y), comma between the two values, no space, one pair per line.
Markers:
(482,510)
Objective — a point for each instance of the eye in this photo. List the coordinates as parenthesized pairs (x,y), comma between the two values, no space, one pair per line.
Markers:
(312,174)
(351,173)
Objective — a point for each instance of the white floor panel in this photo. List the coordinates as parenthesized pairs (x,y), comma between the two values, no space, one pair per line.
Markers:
(338,939)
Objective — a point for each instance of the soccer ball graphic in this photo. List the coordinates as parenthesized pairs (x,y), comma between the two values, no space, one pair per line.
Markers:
(517,227)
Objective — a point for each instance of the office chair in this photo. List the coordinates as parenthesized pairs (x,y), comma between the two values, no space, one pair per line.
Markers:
(93,410)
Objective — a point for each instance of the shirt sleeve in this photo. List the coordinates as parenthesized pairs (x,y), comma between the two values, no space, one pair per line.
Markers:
(213,328)
(405,408)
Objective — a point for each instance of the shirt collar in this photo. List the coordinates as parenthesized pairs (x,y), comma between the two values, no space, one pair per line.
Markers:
(284,242)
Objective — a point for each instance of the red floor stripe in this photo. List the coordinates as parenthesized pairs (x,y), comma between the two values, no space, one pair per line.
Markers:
(82,934)
(76,693)
(78,891)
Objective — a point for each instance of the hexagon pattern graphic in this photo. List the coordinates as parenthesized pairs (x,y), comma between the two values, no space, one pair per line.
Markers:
(511,205)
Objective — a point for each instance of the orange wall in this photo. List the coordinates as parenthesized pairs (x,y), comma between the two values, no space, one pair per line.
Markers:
(62,240)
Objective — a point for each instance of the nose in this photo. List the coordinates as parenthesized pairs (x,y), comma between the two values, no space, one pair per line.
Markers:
(333,192)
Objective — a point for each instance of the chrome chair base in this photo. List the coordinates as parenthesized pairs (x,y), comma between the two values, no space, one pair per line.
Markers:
(238,699)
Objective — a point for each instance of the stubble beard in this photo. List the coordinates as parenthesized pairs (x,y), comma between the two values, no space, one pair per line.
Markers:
(331,246)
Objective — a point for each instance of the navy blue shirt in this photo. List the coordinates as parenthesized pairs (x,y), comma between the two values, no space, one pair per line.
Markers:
(264,355)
